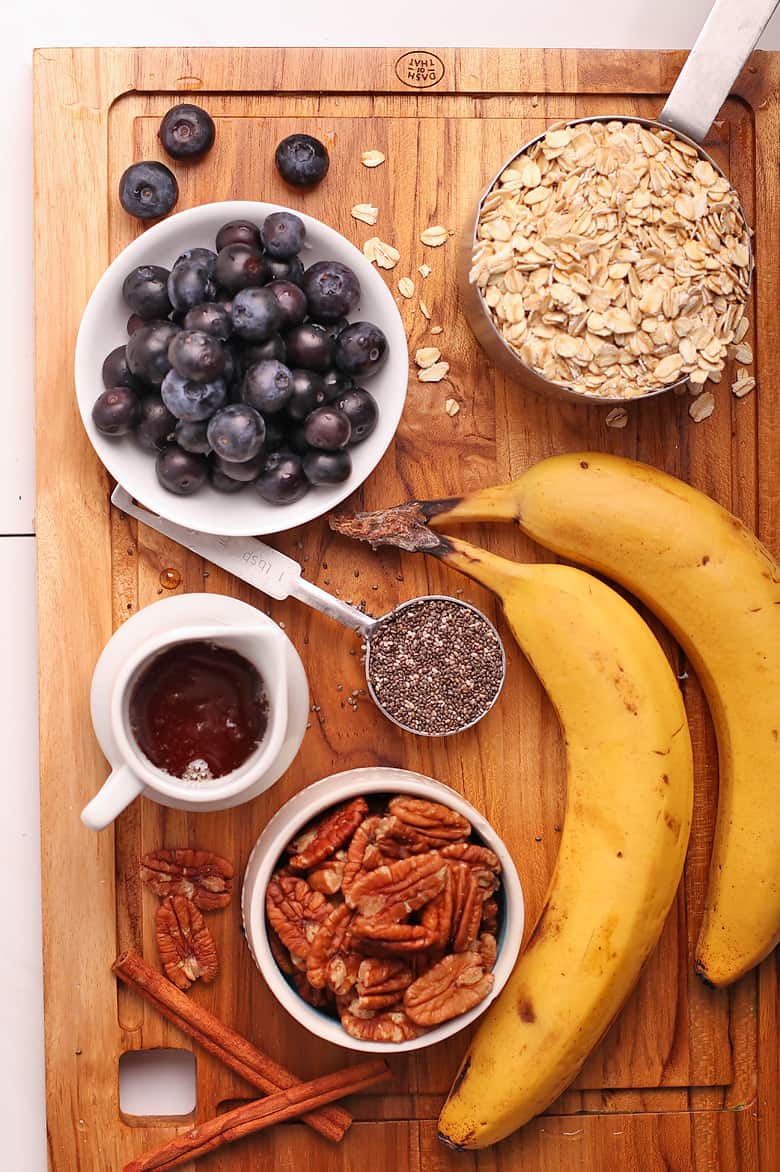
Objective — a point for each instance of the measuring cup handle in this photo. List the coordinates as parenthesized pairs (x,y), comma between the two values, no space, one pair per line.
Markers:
(114,795)
(729,35)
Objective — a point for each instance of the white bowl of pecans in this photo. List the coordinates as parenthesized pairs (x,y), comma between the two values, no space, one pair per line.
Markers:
(382,909)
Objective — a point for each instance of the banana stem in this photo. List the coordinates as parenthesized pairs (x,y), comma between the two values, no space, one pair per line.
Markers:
(494,572)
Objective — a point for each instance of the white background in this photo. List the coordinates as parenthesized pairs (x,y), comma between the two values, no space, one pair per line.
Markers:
(24,25)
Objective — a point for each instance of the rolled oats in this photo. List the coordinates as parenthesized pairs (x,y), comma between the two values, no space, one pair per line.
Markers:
(618,417)
(435,236)
(435,373)
(425,311)
(702,407)
(372,158)
(743,384)
(427,356)
(437,329)
(451,406)
(381,254)
(406,287)
(614,260)
(365,212)
(424,271)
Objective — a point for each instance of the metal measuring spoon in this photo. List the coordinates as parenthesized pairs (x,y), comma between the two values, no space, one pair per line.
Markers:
(280,576)
(728,37)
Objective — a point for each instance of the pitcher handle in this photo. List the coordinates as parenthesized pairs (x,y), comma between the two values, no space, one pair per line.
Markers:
(116,792)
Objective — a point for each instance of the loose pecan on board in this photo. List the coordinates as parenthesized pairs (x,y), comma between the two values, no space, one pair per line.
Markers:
(202,876)
(187,949)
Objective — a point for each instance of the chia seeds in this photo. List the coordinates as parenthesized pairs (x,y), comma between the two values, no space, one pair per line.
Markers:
(435,666)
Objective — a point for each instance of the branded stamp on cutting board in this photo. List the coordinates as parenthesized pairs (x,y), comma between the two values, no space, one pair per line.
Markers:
(680,1080)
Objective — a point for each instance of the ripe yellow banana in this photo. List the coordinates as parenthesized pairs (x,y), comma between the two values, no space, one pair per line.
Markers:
(625,834)
(717,589)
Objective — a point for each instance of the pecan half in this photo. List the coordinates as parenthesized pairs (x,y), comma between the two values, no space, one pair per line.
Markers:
(453,986)
(473,854)
(397,840)
(388,939)
(467,910)
(489,921)
(392,892)
(437,915)
(295,913)
(392,1026)
(383,976)
(329,941)
(187,949)
(341,973)
(437,822)
(280,953)
(362,840)
(372,1003)
(487,949)
(205,878)
(328,877)
(330,834)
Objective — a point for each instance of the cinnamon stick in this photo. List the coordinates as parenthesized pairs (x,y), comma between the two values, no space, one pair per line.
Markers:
(233,1125)
(220,1040)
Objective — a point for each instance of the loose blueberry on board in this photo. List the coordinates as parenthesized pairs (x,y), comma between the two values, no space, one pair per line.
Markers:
(236,432)
(197,355)
(327,428)
(156,424)
(181,472)
(301,160)
(283,235)
(255,314)
(361,410)
(116,411)
(360,349)
(238,232)
(147,351)
(327,467)
(332,290)
(187,132)
(145,290)
(267,386)
(191,435)
(282,480)
(192,401)
(148,190)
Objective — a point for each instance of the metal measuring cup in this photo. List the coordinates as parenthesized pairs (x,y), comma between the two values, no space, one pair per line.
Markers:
(280,576)
(728,37)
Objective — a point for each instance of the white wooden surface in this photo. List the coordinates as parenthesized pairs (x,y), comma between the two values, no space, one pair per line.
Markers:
(24,25)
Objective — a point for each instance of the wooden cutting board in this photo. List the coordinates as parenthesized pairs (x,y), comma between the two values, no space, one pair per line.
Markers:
(687,1079)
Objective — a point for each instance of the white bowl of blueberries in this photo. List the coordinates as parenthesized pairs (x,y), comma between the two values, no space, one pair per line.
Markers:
(241,368)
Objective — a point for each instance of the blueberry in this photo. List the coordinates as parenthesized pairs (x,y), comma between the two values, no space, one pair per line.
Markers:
(327,467)
(327,428)
(308,392)
(191,435)
(134,322)
(301,160)
(187,132)
(292,302)
(236,432)
(197,356)
(256,315)
(240,267)
(156,424)
(145,291)
(181,472)
(189,284)
(360,349)
(285,270)
(116,372)
(192,401)
(282,481)
(148,190)
(203,255)
(336,384)
(334,328)
(222,483)
(309,346)
(147,351)
(238,232)
(116,411)
(332,290)
(361,410)
(273,347)
(210,317)
(267,386)
(245,470)
(296,440)
(283,235)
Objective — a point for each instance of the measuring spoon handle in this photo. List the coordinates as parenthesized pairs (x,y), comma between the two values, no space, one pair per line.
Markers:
(727,39)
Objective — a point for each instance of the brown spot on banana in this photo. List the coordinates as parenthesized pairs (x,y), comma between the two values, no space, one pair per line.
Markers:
(526,1010)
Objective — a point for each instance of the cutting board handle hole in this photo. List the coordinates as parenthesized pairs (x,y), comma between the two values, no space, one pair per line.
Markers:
(157,1085)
